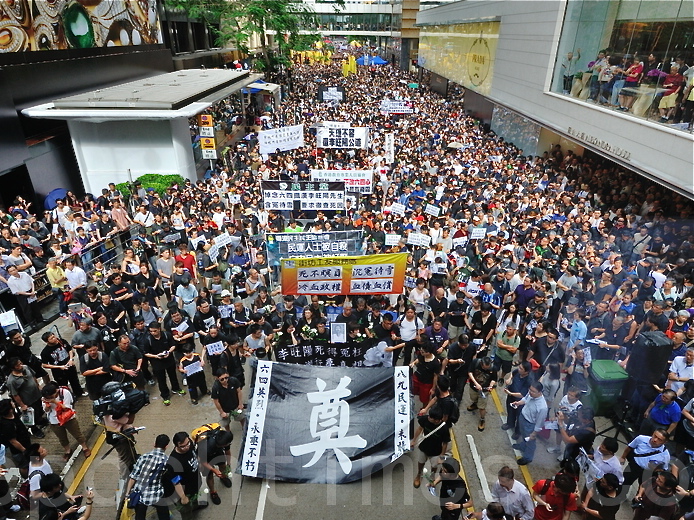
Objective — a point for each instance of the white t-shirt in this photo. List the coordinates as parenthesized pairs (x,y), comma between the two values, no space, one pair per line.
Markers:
(408,329)
(35,480)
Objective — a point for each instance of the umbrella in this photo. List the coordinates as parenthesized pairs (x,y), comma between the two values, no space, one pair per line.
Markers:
(455,144)
(50,200)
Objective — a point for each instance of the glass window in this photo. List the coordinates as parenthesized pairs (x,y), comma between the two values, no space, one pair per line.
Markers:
(632,56)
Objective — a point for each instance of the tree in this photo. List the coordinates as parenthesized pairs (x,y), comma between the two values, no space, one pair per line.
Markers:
(292,23)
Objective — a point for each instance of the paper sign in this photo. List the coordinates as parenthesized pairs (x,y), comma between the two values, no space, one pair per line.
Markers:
(397,209)
(392,239)
(432,210)
(478,233)
(338,332)
(215,348)
(193,368)
(182,327)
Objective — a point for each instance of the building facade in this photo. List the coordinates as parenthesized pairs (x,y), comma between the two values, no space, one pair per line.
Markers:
(529,70)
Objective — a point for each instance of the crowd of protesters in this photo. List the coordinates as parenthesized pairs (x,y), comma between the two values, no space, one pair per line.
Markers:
(579,256)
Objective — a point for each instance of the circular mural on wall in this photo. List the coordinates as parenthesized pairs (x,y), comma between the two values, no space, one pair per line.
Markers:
(67,24)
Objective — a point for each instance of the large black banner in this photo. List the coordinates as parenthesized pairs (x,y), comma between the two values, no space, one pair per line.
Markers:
(298,245)
(325,424)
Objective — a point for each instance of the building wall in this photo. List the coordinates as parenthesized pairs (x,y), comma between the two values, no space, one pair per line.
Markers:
(524,63)
(42,146)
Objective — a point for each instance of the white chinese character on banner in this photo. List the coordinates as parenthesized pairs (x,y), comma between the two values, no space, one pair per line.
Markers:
(329,423)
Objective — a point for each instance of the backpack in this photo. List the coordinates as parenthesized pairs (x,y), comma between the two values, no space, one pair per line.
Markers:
(206,431)
(23,497)
(455,413)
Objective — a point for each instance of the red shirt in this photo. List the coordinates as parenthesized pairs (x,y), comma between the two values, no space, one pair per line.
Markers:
(558,501)
(188,262)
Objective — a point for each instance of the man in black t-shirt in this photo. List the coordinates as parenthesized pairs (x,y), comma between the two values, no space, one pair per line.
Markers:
(228,399)
(460,356)
(182,478)
(59,356)
(482,381)
(453,496)
(14,435)
(436,434)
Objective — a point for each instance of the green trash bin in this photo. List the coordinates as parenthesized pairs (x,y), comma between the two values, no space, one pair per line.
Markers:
(606,381)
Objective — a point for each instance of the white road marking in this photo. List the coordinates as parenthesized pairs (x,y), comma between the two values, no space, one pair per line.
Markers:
(261,500)
(480,470)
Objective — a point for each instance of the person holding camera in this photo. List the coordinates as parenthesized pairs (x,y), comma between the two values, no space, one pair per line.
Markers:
(55,504)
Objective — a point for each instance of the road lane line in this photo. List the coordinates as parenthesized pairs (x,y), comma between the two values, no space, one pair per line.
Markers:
(456,455)
(262,498)
(523,469)
(86,464)
(480,470)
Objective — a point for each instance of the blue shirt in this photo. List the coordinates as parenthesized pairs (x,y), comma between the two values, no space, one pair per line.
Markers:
(665,414)
(578,332)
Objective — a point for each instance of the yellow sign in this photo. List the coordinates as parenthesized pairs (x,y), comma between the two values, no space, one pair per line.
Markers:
(207,143)
(371,274)
(463,53)
(205,120)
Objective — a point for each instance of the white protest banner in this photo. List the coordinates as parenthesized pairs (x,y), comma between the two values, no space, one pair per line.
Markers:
(390,147)
(351,137)
(396,106)
(332,124)
(280,195)
(359,181)
(392,239)
(431,209)
(418,239)
(478,233)
(284,138)
(397,209)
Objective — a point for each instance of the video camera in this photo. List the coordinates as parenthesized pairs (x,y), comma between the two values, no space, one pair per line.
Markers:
(118,399)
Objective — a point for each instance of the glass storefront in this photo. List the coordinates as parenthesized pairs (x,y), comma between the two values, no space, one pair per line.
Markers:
(632,56)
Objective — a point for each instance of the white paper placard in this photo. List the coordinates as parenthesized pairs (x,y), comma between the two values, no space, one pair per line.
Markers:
(478,233)
(431,209)
(392,239)
(397,208)
(215,348)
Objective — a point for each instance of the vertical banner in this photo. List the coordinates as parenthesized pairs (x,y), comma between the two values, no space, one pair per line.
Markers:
(390,147)
(256,419)
(325,425)
(401,439)
(371,274)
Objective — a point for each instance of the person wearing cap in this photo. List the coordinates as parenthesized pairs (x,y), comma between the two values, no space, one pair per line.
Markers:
(453,495)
